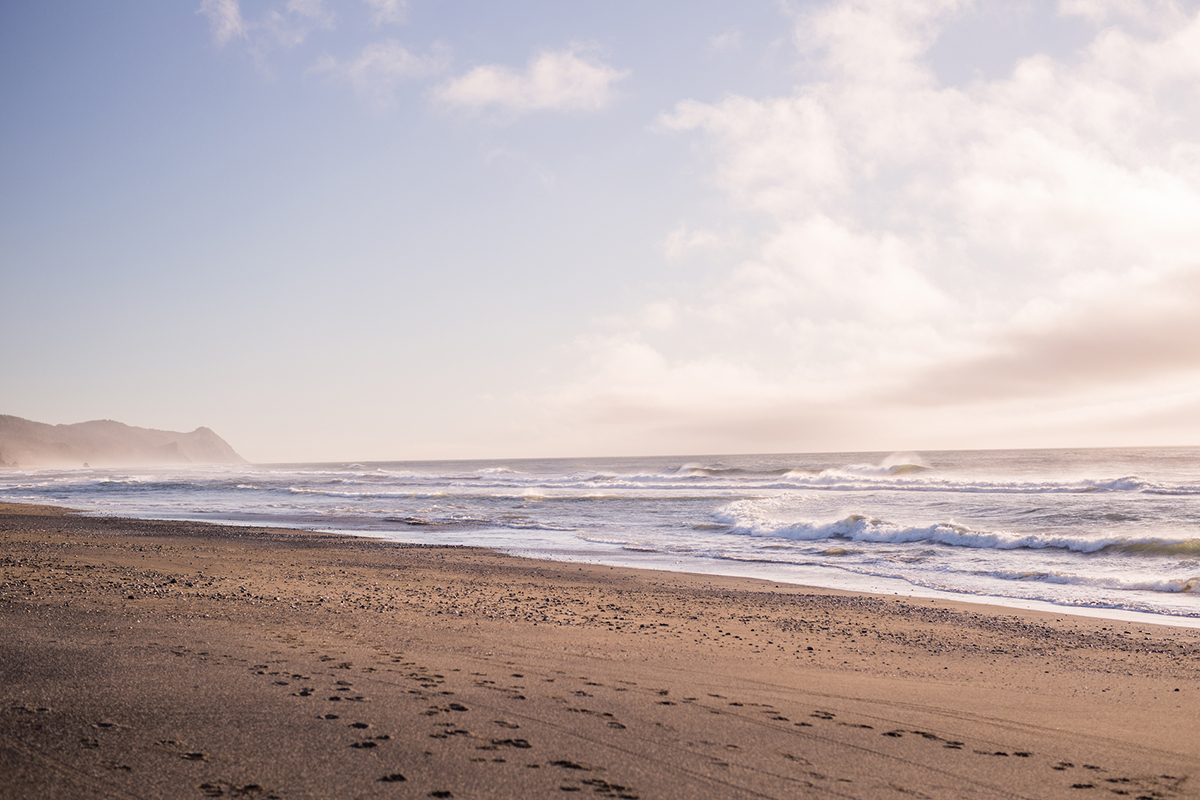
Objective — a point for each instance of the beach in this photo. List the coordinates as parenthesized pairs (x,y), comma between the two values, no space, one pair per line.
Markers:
(181,659)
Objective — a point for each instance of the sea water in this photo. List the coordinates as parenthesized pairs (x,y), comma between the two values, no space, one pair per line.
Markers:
(1101,531)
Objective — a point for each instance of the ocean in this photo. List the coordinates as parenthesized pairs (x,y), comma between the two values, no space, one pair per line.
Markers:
(1103,532)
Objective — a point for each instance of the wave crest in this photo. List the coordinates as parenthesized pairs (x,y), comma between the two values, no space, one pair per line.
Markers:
(753,518)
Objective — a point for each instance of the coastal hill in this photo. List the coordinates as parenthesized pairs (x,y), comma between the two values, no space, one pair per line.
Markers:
(105,443)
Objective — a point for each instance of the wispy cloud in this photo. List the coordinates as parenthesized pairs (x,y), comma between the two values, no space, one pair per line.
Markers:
(284,25)
(380,66)
(685,240)
(311,9)
(727,42)
(388,11)
(561,80)
(225,17)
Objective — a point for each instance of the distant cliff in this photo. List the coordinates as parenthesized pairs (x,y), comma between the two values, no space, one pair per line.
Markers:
(105,443)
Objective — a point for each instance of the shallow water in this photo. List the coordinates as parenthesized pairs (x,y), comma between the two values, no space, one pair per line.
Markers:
(1111,530)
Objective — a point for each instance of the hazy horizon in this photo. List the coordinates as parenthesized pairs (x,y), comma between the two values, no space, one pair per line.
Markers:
(883,458)
(397,230)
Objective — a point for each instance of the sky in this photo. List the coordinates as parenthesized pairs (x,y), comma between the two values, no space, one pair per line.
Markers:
(421,229)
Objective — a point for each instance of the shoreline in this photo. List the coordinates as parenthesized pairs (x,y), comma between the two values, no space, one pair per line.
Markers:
(168,659)
(907,590)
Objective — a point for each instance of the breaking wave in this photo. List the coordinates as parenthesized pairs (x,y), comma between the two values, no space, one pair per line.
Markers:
(746,518)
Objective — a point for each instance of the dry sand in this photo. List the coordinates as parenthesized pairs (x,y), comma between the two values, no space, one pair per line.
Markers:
(155,659)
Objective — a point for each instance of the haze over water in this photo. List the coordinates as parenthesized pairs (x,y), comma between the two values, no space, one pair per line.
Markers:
(1108,530)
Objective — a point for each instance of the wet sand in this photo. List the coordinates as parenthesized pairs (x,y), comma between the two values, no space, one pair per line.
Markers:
(161,659)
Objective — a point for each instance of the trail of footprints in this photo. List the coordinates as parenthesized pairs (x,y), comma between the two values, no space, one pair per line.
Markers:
(486,739)
(501,744)
(1153,787)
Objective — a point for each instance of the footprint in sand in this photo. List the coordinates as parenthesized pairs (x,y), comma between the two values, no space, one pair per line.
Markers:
(520,744)
(946,743)
(446,734)
(228,789)
(606,789)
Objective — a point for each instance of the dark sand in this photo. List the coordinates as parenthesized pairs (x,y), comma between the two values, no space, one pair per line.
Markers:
(156,659)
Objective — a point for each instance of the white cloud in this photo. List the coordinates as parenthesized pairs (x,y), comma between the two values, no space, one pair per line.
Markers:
(660,315)
(1027,241)
(1162,15)
(875,41)
(311,9)
(225,16)
(727,42)
(684,240)
(571,79)
(760,165)
(284,25)
(287,28)
(1096,339)
(382,65)
(388,11)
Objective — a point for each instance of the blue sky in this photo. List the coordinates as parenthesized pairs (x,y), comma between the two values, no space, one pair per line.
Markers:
(340,229)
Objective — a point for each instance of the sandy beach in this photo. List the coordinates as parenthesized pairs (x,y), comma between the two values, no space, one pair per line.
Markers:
(163,659)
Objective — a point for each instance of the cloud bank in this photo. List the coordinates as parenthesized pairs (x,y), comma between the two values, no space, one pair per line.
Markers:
(1025,247)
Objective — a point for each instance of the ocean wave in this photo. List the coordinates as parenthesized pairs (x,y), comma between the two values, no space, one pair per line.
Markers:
(904,474)
(752,519)
(1188,585)
(1185,547)
(851,472)
(903,477)
(468,522)
(842,479)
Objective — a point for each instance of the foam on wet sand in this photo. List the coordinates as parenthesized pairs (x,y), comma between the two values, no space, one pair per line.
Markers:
(167,659)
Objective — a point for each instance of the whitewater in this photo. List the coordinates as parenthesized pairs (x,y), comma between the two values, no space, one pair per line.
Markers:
(1108,532)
